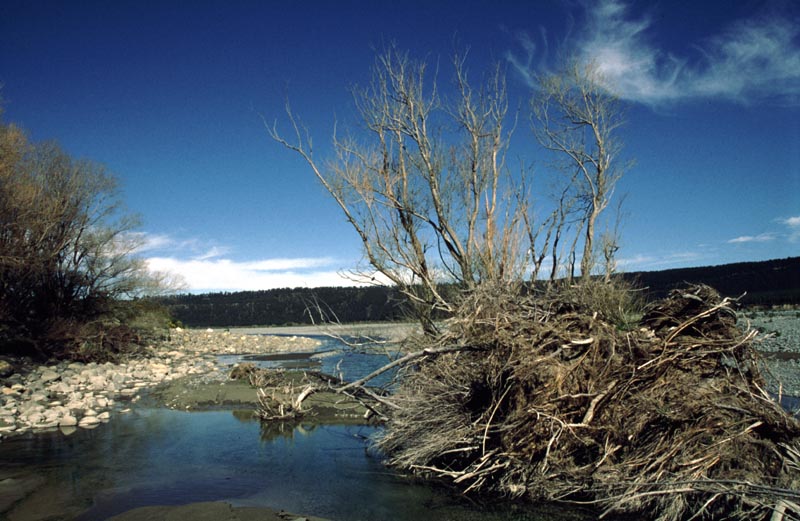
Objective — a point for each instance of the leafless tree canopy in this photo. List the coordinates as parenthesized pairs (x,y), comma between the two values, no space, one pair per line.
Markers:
(428,190)
(576,117)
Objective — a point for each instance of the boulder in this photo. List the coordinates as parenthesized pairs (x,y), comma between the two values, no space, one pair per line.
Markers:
(88,422)
(68,421)
(33,418)
(38,397)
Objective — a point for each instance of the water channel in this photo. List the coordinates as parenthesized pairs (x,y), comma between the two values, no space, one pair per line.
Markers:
(157,456)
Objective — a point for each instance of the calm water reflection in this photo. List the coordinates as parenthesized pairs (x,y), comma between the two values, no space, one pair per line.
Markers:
(158,456)
(332,357)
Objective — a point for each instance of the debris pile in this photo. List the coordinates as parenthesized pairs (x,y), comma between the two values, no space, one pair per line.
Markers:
(552,401)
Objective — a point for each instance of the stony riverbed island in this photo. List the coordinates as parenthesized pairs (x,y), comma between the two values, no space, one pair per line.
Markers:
(68,395)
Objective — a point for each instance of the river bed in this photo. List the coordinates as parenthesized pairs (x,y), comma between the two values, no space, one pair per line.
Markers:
(157,456)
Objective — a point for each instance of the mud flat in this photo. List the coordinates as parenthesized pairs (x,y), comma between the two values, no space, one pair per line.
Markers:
(193,394)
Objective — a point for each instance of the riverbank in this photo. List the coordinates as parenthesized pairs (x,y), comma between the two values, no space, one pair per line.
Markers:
(779,345)
(186,368)
(70,395)
(182,372)
(385,331)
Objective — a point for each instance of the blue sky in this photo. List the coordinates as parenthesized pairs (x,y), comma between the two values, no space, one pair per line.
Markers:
(169,96)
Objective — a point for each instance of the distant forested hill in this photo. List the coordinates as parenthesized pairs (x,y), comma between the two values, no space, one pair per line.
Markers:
(766,283)
(772,282)
(287,306)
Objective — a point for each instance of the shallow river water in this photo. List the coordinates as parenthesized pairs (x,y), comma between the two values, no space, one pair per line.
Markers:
(162,457)
(157,456)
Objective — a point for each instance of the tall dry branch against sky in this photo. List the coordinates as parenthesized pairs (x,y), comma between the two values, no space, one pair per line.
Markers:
(170,97)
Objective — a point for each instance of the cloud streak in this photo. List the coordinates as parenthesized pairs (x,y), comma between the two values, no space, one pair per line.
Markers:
(221,274)
(751,61)
(791,233)
(793,223)
(643,262)
(208,267)
(764,237)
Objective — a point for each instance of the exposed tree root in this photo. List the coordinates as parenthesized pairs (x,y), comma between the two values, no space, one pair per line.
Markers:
(546,399)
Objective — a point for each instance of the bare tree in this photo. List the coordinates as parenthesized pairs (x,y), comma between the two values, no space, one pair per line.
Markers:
(427,188)
(576,116)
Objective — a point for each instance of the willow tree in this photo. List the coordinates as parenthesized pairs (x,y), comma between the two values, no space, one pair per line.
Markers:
(576,116)
(426,187)
(424,182)
(67,254)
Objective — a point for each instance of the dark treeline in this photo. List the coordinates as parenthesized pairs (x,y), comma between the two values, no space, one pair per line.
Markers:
(286,306)
(766,283)
(774,282)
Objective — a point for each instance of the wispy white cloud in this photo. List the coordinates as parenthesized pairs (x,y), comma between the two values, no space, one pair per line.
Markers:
(211,253)
(644,262)
(763,237)
(222,274)
(145,242)
(793,223)
(210,267)
(302,263)
(621,50)
(752,61)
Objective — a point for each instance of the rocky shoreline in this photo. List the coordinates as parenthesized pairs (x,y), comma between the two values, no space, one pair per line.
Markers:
(779,345)
(71,395)
(185,373)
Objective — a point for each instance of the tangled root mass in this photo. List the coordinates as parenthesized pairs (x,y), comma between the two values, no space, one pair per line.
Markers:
(551,401)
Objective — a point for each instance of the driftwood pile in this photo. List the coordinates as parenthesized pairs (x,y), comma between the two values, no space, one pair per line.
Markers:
(549,400)
(554,398)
